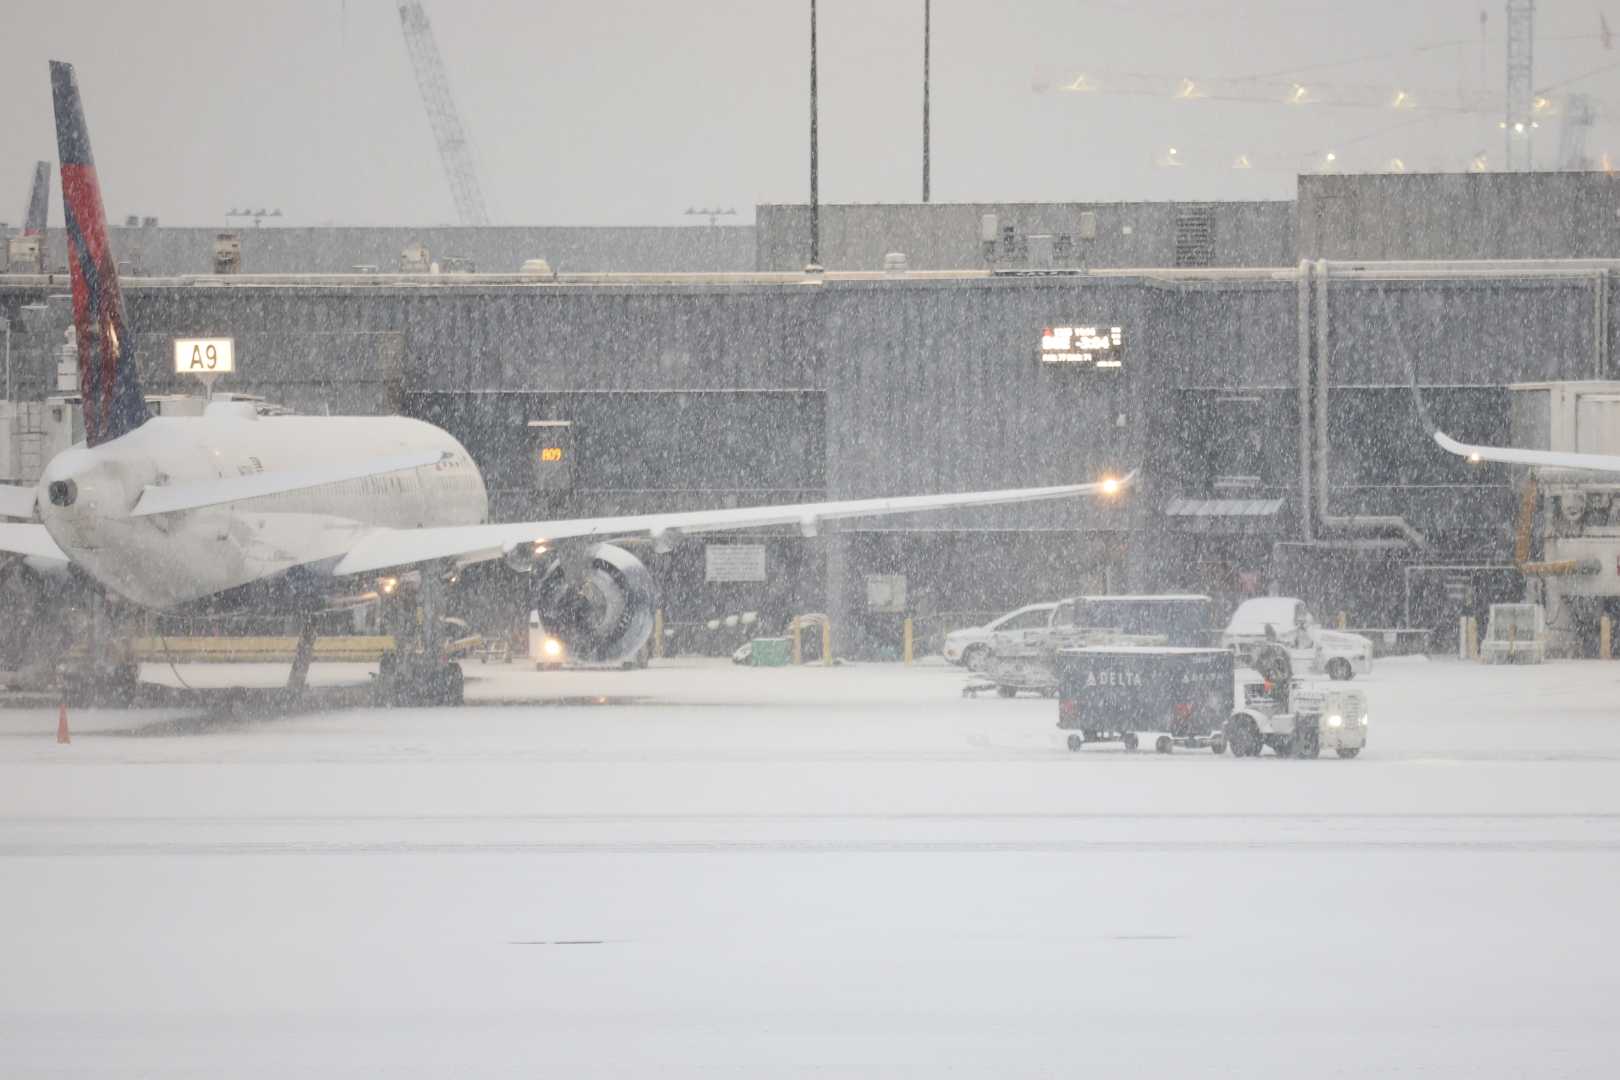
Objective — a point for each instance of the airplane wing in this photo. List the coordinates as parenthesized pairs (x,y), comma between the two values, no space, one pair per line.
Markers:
(1547,459)
(16,502)
(30,541)
(383,549)
(167,498)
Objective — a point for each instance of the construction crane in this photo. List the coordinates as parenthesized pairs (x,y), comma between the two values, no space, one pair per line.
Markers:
(1580,113)
(455,150)
(1283,92)
(1519,122)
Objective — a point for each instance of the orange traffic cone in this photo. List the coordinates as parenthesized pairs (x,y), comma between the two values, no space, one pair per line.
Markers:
(62,735)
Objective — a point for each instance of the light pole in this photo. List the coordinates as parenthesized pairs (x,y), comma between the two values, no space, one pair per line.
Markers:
(815,200)
(926,5)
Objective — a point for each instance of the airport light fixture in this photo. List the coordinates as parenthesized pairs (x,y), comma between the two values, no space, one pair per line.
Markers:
(255,216)
(712,214)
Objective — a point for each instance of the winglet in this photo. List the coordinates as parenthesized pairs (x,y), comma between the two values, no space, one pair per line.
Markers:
(1539,459)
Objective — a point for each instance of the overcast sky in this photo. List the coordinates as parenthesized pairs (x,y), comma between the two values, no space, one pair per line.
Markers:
(621,112)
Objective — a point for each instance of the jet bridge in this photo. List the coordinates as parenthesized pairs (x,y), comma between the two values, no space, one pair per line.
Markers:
(1567,534)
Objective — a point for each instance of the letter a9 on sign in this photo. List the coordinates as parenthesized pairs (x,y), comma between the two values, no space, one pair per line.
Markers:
(204,356)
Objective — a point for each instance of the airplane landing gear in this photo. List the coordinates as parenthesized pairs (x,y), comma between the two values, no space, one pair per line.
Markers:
(302,655)
(418,672)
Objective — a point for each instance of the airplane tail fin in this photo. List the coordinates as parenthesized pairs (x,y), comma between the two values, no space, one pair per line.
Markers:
(108,379)
(39,200)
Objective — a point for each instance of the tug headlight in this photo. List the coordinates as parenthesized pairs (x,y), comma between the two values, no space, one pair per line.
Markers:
(552,648)
(1335,720)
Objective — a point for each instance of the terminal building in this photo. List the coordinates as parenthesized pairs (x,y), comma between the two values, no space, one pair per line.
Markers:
(1251,361)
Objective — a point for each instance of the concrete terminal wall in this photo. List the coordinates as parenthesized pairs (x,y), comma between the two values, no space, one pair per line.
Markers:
(1541,215)
(946,236)
(163,250)
(881,386)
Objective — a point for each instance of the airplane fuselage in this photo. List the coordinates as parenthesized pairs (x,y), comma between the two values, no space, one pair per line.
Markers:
(164,560)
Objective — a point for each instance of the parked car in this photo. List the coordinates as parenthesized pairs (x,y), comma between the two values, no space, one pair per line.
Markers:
(1285,620)
(970,646)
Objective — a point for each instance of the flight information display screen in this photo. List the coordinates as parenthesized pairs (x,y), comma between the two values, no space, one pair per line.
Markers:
(1090,348)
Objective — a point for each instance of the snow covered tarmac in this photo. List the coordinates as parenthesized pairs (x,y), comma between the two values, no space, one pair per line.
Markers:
(766,872)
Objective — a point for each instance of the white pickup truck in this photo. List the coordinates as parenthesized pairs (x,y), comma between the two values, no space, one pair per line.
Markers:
(1311,647)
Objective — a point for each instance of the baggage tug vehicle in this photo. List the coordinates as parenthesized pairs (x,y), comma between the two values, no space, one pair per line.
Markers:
(1185,697)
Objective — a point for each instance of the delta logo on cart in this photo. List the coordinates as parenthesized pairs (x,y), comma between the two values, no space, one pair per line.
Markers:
(1195,678)
(1113,678)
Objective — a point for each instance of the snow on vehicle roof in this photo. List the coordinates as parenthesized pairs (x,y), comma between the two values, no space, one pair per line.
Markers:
(1145,596)
(1252,616)
(1147,650)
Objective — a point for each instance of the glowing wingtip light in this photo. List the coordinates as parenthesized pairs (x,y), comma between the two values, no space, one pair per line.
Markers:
(1474,459)
(1110,486)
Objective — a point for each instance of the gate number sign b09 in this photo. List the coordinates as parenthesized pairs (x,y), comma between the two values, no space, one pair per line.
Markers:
(204,356)
(1097,348)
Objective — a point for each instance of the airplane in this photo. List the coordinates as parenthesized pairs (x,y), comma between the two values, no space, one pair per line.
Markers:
(1506,455)
(173,512)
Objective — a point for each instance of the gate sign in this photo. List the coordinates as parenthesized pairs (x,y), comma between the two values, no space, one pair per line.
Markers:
(204,356)
(1094,348)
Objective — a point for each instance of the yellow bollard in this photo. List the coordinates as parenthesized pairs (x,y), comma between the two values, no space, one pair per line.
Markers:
(826,643)
(1473,638)
(1342,621)
(1605,638)
(796,632)
(658,634)
(907,632)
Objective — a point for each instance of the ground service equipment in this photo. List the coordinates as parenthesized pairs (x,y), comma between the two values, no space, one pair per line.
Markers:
(1174,696)
(1295,719)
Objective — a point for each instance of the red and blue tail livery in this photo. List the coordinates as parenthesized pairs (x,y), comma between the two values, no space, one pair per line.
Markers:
(108,380)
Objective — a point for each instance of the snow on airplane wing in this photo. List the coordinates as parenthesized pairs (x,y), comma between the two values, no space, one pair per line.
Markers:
(168,498)
(1547,459)
(30,541)
(16,502)
(383,549)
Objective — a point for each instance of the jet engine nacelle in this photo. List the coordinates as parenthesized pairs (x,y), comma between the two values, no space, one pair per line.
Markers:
(605,616)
